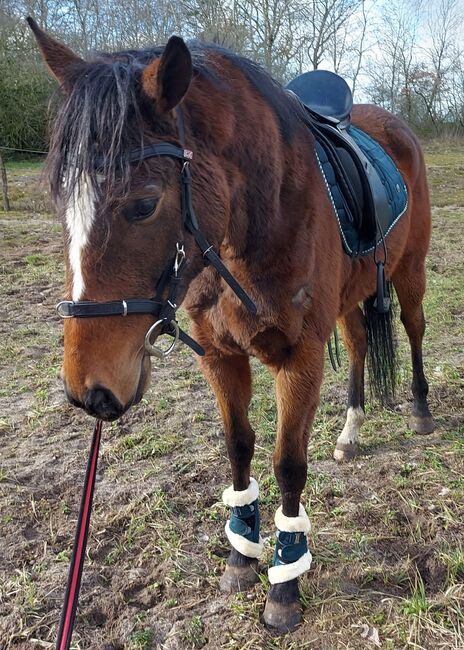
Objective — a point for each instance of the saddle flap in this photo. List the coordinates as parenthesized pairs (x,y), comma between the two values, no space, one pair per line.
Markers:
(325,94)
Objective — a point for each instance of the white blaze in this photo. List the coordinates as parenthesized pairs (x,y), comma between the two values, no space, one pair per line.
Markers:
(80,214)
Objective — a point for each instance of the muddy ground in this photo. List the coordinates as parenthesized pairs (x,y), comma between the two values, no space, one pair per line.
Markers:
(387,539)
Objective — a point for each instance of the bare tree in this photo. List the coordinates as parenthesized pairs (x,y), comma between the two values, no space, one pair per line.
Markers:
(441,59)
(373,43)
(349,44)
(6,200)
(270,24)
(391,62)
(359,47)
(324,20)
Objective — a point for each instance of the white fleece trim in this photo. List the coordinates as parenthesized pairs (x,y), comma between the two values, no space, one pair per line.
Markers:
(286,572)
(300,524)
(234,498)
(244,545)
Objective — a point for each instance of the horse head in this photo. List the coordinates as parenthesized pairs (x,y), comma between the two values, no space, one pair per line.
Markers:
(121,211)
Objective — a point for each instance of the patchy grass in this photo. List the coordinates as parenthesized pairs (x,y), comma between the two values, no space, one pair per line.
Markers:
(25,191)
(445,167)
(16,167)
(387,533)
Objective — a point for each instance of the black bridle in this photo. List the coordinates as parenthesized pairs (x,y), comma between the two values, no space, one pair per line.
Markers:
(164,310)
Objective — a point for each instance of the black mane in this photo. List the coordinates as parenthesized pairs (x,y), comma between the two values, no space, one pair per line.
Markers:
(103,113)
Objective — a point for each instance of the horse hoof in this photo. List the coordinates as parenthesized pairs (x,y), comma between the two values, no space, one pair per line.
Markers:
(422,425)
(282,617)
(344,452)
(239,578)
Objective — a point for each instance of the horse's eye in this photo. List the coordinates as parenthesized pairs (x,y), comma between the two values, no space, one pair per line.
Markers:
(141,209)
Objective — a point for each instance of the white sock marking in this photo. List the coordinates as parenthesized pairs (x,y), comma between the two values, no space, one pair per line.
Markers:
(354,420)
(80,214)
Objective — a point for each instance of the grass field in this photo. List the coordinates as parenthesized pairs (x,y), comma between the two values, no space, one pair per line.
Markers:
(387,538)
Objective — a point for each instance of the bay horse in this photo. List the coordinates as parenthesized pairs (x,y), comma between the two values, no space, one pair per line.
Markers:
(260,200)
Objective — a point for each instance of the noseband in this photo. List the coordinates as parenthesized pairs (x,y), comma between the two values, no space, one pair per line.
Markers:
(163,310)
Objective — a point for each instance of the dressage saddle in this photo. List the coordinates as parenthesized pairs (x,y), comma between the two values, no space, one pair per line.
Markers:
(365,186)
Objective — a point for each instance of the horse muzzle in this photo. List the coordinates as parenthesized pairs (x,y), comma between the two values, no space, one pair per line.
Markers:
(100,402)
(103,404)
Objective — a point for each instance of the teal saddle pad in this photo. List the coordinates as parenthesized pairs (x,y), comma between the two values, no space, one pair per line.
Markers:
(393,185)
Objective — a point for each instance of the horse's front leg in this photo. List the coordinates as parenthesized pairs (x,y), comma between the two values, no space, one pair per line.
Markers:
(297,386)
(230,378)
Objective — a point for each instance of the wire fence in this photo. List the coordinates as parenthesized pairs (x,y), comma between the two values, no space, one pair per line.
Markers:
(3,148)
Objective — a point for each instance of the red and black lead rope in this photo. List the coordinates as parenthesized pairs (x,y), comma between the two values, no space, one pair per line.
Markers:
(68,613)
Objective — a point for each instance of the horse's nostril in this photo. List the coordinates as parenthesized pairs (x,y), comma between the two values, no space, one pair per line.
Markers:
(101,403)
(73,401)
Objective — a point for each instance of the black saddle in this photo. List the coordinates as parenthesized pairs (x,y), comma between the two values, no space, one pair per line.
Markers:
(326,95)
(328,101)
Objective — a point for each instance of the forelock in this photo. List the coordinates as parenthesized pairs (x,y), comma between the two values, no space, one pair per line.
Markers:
(100,121)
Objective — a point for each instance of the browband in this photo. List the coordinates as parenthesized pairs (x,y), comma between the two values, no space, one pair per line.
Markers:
(160,149)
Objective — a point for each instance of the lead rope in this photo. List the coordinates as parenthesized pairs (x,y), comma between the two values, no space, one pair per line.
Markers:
(71,597)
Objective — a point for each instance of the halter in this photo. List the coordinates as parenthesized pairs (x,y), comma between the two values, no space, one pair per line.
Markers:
(163,310)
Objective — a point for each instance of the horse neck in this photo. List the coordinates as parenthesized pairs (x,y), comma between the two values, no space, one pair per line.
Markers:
(237,135)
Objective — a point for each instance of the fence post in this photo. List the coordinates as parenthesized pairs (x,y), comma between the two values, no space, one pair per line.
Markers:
(6,202)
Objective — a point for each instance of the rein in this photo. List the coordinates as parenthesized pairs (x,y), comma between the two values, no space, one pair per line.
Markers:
(164,310)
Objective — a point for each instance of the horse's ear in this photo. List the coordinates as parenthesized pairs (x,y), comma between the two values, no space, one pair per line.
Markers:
(167,79)
(57,56)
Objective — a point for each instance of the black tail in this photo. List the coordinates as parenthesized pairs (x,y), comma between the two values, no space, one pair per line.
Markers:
(381,350)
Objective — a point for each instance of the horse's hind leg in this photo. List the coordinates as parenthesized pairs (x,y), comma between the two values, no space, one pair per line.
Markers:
(230,378)
(409,283)
(354,334)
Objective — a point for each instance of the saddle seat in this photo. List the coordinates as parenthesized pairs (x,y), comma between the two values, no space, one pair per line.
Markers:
(365,186)
(325,94)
